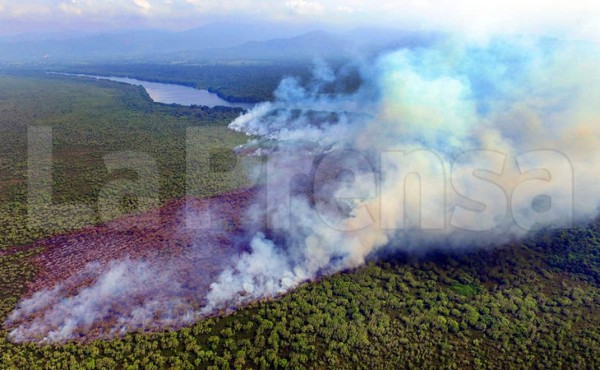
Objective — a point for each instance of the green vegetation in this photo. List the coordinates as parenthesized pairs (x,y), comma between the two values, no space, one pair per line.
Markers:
(403,313)
(243,81)
(535,304)
(468,290)
(90,120)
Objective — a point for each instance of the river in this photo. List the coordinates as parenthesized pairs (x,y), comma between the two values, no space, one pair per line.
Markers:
(172,94)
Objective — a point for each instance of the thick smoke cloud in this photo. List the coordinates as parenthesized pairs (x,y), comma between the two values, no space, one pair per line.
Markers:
(497,136)
(448,146)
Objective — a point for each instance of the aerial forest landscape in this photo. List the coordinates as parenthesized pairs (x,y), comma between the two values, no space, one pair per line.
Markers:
(299,184)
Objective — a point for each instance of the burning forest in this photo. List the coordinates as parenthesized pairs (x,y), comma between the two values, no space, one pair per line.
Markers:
(454,145)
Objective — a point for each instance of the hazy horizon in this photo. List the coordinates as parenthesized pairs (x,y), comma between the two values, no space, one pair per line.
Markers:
(576,20)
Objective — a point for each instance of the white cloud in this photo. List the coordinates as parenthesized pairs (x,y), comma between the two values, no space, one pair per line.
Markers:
(143,5)
(70,9)
(578,18)
(305,7)
(345,9)
(23,9)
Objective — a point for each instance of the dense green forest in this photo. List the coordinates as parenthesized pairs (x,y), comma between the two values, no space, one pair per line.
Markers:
(532,304)
(239,81)
(234,82)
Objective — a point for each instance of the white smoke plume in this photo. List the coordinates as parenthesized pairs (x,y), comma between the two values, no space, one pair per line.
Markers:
(453,146)
(448,146)
(126,295)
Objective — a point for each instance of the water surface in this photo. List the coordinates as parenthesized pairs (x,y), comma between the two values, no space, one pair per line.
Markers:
(173,94)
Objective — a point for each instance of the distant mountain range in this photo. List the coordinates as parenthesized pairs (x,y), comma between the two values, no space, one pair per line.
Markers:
(216,41)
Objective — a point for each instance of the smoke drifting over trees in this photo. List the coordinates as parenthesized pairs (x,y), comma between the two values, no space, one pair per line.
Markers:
(446,146)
